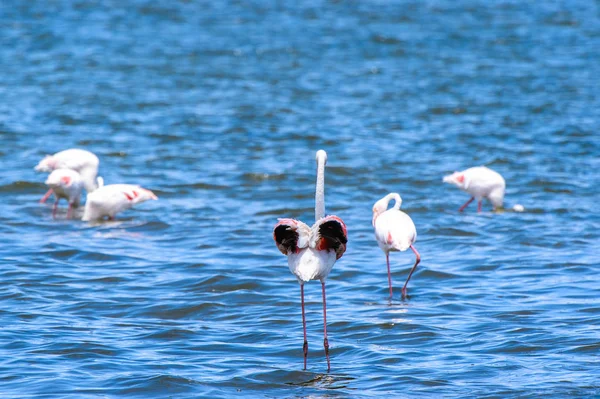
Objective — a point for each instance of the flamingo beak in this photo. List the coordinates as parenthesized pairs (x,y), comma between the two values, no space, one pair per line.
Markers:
(375,215)
(152,195)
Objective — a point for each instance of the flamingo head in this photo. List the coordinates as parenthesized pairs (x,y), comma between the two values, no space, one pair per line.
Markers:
(496,197)
(148,195)
(379,207)
(66,182)
(382,205)
(48,164)
(322,156)
(456,178)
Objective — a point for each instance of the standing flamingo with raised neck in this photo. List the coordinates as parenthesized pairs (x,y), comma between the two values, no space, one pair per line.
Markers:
(394,231)
(480,182)
(312,251)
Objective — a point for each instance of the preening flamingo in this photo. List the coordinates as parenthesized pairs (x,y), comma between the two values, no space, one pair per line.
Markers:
(394,231)
(312,251)
(83,162)
(480,182)
(65,183)
(114,198)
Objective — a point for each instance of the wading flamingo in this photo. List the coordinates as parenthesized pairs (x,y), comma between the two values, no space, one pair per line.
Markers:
(312,251)
(394,231)
(480,182)
(67,184)
(114,198)
(83,162)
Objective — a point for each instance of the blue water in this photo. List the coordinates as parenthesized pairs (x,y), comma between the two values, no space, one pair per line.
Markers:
(219,107)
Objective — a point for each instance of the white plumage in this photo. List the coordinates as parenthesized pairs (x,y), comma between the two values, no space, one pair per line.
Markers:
(394,231)
(67,184)
(111,199)
(312,251)
(480,182)
(83,162)
(308,262)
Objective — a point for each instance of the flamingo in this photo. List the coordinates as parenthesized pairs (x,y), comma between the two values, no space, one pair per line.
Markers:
(65,183)
(114,198)
(480,182)
(81,161)
(312,251)
(394,231)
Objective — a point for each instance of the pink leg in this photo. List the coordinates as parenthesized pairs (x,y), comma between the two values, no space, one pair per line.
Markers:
(387,259)
(462,208)
(305,346)
(411,270)
(325,341)
(46,196)
(70,211)
(479,206)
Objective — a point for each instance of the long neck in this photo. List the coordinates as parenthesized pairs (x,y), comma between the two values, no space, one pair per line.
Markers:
(88,175)
(320,191)
(397,200)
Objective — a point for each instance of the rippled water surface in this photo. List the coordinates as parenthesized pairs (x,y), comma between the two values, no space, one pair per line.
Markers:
(219,107)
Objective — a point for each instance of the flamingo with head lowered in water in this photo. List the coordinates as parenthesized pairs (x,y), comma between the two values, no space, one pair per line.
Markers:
(114,198)
(312,251)
(83,162)
(67,184)
(480,182)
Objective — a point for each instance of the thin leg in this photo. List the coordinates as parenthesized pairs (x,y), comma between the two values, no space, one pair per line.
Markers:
(325,341)
(305,346)
(70,211)
(462,208)
(54,208)
(387,259)
(411,270)
(46,196)
(479,206)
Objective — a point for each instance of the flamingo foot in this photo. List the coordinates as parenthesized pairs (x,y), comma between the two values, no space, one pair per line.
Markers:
(326,346)
(305,349)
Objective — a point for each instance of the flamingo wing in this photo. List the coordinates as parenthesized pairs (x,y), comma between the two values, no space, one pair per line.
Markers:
(395,230)
(291,236)
(330,233)
(108,201)
(132,193)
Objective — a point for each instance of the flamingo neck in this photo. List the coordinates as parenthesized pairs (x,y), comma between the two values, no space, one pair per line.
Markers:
(320,191)
(396,198)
